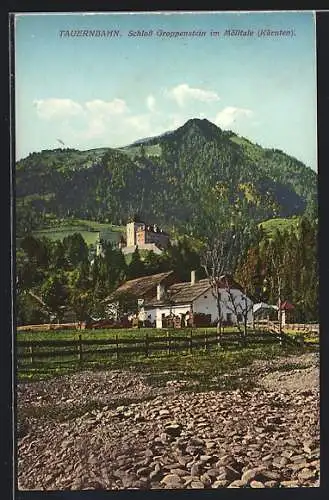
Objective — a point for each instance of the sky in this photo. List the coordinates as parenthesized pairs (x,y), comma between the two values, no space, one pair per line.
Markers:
(81,91)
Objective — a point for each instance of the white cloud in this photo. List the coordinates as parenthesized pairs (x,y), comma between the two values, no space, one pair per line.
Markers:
(231,114)
(139,123)
(183,93)
(111,123)
(96,128)
(64,108)
(106,108)
(57,108)
(150,102)
(94,116)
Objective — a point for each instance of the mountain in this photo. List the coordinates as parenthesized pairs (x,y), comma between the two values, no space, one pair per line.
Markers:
(147,139)
(179,179)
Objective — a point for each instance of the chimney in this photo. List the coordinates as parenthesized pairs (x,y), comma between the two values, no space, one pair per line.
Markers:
(159,291)
(192,278)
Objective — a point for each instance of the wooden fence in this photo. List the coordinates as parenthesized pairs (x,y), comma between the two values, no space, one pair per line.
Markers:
(31,351)
(303,327)
(51,326)
(296,327)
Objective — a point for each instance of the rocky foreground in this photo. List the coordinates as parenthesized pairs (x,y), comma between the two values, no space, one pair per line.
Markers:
(264,437)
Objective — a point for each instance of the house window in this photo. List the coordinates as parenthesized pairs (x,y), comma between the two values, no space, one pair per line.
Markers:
(205,297)
(239,317)
(229,317)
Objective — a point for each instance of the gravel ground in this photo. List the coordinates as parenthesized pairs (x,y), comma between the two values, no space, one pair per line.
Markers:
(113,430)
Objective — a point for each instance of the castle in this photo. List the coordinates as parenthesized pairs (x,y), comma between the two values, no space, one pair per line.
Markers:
(146,237)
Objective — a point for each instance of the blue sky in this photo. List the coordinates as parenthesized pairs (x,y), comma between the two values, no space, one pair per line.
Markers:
(109,91)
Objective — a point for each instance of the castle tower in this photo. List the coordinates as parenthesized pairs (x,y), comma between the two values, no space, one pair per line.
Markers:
(131,232)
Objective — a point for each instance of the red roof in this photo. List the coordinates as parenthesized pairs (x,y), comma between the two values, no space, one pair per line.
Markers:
(287,306)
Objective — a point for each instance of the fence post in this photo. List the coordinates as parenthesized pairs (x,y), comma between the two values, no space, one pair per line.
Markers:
(31,354)
(117,345)
(218,336)
(281,339)
(205,340)
(168,343)
(190,342)
(80,348)
(146,345)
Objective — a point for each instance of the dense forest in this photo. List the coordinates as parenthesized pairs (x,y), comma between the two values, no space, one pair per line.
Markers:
(176,180)
(53,278)
(285,265)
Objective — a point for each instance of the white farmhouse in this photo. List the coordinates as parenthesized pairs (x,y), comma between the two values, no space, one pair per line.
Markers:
(160,296)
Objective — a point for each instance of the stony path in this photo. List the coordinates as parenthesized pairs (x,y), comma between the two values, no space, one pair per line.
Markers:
(261,438)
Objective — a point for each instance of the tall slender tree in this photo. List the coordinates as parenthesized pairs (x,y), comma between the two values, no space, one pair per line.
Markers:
(136,267)
(217,260)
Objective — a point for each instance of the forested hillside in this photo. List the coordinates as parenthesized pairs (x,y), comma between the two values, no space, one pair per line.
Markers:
(178,180)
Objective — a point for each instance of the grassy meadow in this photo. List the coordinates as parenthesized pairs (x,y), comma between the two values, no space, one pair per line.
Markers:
(202,364)
(280,224)
(106,333)
(88,229)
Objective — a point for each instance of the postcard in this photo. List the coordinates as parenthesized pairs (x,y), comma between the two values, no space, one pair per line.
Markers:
(167,287)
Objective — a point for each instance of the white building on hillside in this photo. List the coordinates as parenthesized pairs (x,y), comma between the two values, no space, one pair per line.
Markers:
(160,296)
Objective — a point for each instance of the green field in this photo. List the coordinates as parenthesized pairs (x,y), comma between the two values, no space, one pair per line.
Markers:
(90,237)
(97,226)
(106,333)
(89,230)
(200,363)
(280,224)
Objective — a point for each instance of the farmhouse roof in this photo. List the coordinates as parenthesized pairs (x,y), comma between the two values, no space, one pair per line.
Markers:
(140,286)
(177,293)
(186,293)
(180,293)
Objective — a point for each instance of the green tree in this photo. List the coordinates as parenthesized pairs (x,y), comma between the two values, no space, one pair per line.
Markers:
(127,304)
(136,267)
(75,248)
(80,292)
(182,259)
(153,263)
(28,274)
(250,274)
(98,304)
(54,293)
(290,270)
(114,266)
(29,311)
(58,257)
(37,250)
